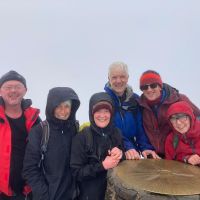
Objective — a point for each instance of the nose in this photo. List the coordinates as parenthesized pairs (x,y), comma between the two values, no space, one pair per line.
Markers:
(62,111)
(12,88)
(149,88)
(118,79)
(178,121)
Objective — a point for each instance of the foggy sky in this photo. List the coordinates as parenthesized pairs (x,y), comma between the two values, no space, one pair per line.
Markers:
(72,43)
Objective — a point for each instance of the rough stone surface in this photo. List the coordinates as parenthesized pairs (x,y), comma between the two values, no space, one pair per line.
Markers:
(117,191)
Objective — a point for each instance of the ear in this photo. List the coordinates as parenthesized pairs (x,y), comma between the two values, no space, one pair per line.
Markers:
(24,92)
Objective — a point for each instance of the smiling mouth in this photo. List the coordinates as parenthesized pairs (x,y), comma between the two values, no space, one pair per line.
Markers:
(13,97)
(181,128)
(151,93)
(101,120)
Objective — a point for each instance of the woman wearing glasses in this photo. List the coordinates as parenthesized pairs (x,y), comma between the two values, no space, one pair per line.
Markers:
(183,143)
(155,100)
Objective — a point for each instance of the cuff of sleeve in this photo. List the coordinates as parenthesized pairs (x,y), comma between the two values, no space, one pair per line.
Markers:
(100,167)
(128,147)
(185,159)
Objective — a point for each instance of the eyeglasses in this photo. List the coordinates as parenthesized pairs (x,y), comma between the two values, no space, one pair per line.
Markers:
(181,117)
(152,86)
(15,87)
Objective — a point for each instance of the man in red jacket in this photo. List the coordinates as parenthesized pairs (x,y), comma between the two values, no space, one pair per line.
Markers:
(16,120)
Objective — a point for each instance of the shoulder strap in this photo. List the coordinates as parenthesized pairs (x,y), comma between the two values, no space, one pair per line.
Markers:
(45,135)
(43,143)
(89,139)
(175,144)
(77,126)
(175,141)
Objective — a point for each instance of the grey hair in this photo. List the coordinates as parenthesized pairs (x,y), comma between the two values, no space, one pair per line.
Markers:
(118,65)
(68,103)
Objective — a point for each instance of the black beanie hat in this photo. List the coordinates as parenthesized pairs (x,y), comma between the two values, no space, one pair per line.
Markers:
(12,75)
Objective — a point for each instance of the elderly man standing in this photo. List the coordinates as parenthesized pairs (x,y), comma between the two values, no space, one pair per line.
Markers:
(155,100)
(16,120)
(127,116)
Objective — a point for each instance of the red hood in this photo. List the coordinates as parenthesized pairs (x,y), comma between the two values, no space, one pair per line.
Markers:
(184,107)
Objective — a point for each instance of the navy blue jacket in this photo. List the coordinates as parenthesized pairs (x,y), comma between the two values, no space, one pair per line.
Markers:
(128,118)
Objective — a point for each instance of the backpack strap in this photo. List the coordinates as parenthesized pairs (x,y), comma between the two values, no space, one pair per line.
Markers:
(44,142)
(77,126)
(89,139)
(175,144)
(45,135)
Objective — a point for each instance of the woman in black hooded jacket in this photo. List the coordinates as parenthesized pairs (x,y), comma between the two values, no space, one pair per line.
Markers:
(96,149)
(56,182)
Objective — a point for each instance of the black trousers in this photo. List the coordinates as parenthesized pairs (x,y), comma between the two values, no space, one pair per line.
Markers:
(17,197)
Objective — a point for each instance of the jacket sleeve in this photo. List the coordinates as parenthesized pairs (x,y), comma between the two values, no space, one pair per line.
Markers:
(141,137)
(175,154)
(83,168)
(31,172)
(128,144)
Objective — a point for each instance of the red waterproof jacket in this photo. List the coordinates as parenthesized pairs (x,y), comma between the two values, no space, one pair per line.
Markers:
(31,115)
(180,146)
(155,122)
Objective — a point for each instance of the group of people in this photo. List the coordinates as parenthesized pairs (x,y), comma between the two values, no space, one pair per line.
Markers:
(161,123)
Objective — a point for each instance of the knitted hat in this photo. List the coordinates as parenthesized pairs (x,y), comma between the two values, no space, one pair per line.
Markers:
(102,105)
(149,77)
(12,75)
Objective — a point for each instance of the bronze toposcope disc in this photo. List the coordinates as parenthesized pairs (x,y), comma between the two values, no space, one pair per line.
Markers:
(159,176)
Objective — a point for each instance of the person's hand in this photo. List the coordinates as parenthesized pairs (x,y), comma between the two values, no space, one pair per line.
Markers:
(132,154)
(194,159)
(115,153)
(110,162)
(153,154)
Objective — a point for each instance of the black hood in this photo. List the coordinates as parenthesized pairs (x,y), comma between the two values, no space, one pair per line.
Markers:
(58,95)
(96,98)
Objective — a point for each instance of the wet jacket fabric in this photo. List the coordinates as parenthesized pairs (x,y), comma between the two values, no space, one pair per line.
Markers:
(181,146)
(86,159)
(56,183)
(128,118)
(155,119)
(31,116)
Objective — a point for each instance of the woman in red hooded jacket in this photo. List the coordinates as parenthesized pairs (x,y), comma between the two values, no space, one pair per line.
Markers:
(183,143)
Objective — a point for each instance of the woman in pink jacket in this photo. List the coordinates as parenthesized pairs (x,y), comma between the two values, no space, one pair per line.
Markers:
(183,143)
